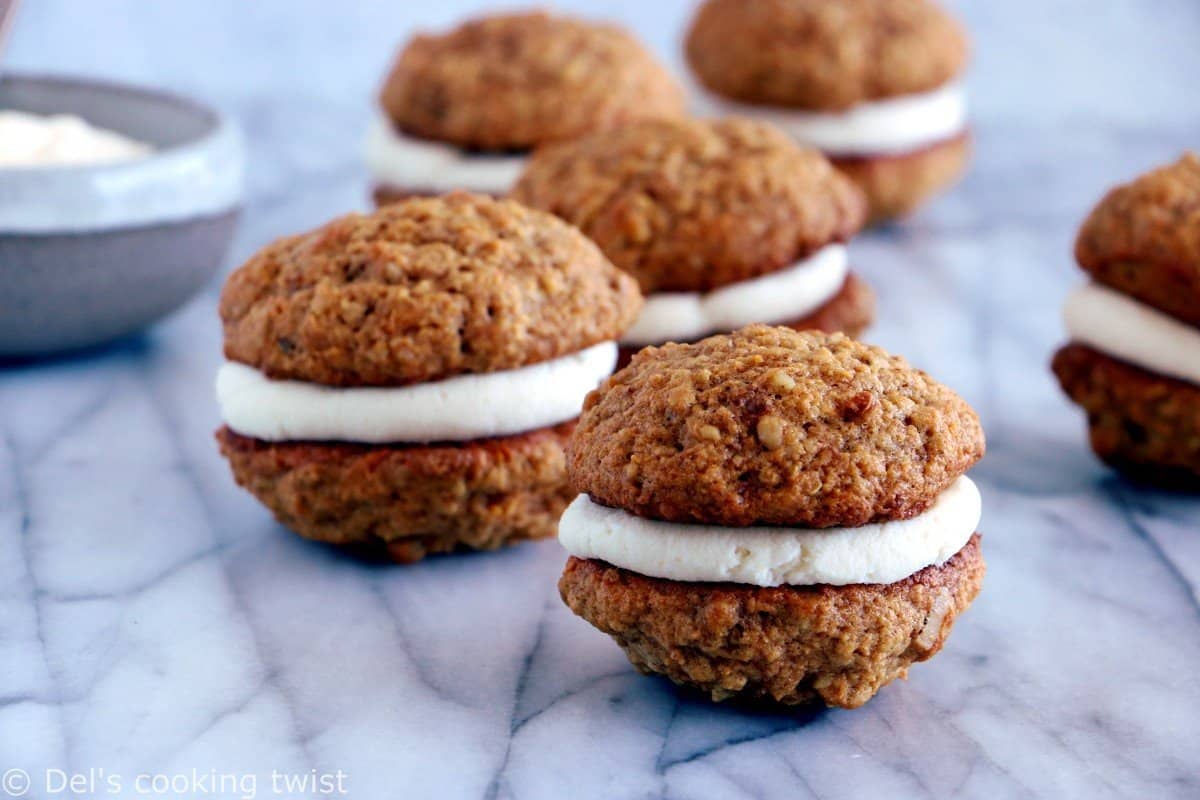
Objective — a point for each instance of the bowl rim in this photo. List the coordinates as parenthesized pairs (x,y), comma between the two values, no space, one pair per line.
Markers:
(212,117)
(202,175)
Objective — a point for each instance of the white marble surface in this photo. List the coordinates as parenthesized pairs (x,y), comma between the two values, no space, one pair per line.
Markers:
(153,619)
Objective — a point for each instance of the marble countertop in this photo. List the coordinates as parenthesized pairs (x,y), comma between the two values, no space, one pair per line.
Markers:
(154,620)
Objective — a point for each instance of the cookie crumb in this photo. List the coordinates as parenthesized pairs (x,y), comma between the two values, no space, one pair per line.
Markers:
(770,432)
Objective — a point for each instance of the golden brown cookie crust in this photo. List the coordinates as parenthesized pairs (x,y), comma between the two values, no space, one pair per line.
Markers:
(771,426)
(1143,239)
(1145,424)
(791,645)
(690,205)
(897,185)
(409,500)
(421,290)
(513,82)
(850,311)
(821,55)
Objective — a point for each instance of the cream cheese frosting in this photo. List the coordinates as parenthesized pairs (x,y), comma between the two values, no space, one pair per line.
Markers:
(1116,324)
(32,140)
(407,162)
(883,552)
(787,294)
(882,127)
(460,408)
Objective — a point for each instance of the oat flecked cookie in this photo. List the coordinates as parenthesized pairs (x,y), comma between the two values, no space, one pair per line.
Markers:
(818,54)
(1145,424)
(691,205)
(420,291)
(1143,239)
(812,435)
(836,645)
(772,426)
(409,501)
(703,207)
(842,57)
(331,328)
(1135,330)
(513,82)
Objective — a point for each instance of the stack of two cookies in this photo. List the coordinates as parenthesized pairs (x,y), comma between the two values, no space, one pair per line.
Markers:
(723,223)
(405,381)
(877,85)
(1133,362)
(773,515)
(464,109)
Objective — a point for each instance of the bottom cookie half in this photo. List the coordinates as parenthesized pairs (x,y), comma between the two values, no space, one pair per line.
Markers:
(895,185)
(791,645)
(409,501)
(1144,424)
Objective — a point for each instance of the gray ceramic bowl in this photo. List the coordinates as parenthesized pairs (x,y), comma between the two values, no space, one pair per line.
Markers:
(92,253)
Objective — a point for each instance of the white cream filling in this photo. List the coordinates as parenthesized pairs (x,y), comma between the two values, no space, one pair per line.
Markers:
(787,294)
(460,408)
(881,127)
(32,140)
(407,162)
(1116,324)
(884,552)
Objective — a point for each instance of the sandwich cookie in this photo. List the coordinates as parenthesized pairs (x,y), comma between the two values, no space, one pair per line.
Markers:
(462,110)
(875,84)
(404,381)
(1133,360)
(723,223)
(773,515)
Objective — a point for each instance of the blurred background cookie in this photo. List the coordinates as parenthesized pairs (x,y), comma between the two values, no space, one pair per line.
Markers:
(462,110)
(723,223)
(1133,362)
(875,84)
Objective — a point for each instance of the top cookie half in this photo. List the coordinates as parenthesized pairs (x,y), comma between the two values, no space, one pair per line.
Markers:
(691,205)
(824,54)
(422,290)
(769,426)
(517,81)
(1143,239)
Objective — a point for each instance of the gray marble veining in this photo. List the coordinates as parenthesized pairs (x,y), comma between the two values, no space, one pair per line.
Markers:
(153,619)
